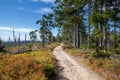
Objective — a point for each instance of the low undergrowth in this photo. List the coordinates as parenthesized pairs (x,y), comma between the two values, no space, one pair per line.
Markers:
(107,65)
(52,46)
(35,65)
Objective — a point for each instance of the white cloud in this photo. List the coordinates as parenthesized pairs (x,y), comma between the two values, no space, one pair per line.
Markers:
(23,30)
(21,8)
(34,0)
(6,28)
(48,1)
(45,1)
(16,29)
(43,10)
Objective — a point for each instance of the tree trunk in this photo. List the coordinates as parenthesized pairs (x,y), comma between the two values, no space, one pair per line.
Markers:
(19,39)
(97,42)
(14,37)
(74,36)
(105,31)
(105,39)
(88,37)
(9,40)
(43,39)
(25,38)
(43,33)
(89,31)
(97,39)
(115,25)
(115,35)
(77,36)
(101,27)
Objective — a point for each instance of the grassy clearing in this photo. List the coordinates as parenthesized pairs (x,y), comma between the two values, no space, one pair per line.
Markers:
(35,65)
(105,64)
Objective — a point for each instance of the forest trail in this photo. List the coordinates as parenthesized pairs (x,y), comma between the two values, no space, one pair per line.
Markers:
(69,69)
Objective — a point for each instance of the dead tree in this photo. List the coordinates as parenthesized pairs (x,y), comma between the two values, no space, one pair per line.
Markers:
(14,37)
(0,42)
(19,39)
(9,39)
(25,38)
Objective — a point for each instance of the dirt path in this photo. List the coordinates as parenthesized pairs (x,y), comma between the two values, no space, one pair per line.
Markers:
(69,69)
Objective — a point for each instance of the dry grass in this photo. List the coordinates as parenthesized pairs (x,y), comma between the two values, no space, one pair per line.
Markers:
(35,65)
(52,46)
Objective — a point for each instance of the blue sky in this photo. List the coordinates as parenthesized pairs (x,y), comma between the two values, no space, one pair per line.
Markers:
(21,16)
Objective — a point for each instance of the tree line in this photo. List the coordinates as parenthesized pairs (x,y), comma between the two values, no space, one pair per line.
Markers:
(94,24)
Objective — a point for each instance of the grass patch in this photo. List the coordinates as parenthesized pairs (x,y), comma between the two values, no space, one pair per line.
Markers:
(35,65)
(52,46)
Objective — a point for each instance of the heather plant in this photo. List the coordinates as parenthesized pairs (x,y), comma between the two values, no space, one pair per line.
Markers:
(35,65)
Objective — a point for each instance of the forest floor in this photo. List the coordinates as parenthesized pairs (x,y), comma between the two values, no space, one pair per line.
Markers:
(69,69)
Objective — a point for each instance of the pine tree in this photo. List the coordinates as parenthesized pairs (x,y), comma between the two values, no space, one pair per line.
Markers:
(69,13)
(45,29)
(33,36)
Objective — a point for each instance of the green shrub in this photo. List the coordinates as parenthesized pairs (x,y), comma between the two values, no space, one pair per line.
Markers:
(117,50)
(67,46)
(84,46)
(49,70)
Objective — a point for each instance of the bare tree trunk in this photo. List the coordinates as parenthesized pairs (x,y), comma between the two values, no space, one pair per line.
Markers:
(14,37)
(25,38)
(19,39)
(0,42)
(9,39)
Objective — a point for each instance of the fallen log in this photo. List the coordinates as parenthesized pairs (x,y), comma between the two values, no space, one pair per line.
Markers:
(21,50)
